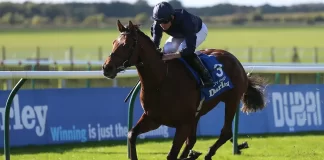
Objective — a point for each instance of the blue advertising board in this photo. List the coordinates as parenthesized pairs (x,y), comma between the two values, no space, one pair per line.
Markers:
(51,116)
(290,108)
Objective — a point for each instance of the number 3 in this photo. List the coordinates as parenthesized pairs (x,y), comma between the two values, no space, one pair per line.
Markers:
(219,69)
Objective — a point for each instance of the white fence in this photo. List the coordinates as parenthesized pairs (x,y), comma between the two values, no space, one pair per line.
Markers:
(297,69)
(50,62)
(99,63)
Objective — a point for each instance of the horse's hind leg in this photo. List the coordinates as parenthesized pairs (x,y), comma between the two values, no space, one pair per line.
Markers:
(226,133)
(144,124)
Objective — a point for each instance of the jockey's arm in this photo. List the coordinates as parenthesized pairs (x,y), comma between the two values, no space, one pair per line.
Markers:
(185,52)
(156,33)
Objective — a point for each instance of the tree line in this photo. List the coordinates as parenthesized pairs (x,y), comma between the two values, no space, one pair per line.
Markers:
(96,14)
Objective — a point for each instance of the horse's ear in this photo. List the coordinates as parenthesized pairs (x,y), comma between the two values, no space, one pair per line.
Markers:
(120,27)
(130,25)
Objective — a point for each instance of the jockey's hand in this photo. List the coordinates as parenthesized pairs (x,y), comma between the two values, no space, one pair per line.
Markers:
(171,56)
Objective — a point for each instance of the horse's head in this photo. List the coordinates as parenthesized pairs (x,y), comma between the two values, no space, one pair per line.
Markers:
(125,51)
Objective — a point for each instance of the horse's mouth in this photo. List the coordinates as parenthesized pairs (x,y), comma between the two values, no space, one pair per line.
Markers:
(110,75)
(109,71)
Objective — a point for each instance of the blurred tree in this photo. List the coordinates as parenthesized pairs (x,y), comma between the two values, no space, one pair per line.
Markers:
(94,20)
(257,15)
(141,18)
(38,20)
(12,19)
(141,6)
(7,18)
(17,13)
(59,20)
(239,19)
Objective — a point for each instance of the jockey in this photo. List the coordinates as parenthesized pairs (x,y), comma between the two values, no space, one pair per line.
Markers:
(186,32)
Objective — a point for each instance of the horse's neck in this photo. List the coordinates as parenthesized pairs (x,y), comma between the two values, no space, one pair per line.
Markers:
(153,70)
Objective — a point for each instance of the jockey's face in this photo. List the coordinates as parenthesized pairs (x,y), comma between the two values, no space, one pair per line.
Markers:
(166,25)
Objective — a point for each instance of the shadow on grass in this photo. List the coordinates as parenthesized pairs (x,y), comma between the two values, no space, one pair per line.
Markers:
(62,148)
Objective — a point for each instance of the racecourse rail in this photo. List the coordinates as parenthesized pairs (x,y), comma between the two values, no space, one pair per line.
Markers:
(24,75)
(89,64)
(14,62)
(297,69)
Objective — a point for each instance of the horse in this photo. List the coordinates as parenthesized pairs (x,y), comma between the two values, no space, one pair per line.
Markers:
(170,94)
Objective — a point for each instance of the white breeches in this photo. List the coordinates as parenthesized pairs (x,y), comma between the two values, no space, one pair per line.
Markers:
(176,44)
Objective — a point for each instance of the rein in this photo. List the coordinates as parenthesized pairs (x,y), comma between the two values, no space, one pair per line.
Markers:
(127,63)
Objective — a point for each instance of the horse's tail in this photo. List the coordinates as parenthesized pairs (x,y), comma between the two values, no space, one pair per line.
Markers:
(254,98)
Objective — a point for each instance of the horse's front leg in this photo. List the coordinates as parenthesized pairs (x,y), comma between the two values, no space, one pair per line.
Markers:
(181,134)
(144,124)
(191,140)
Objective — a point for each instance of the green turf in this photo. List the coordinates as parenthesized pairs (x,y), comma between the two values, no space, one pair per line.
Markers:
(278,147)
(55,43)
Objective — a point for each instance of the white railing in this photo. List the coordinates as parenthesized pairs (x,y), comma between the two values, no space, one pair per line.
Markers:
(50,62)
(61,74)
(297,69)
(99,63)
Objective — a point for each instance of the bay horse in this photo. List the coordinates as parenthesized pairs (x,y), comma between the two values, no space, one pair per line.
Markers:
(170,95)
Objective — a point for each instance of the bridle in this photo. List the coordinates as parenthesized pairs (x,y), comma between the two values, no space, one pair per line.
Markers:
(133,48)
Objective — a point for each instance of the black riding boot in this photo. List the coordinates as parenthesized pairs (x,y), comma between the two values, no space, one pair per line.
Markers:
(199,67)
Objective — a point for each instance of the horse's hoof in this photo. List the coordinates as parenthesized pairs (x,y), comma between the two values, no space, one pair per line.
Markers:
(194,154)
(208,158)
(243,145)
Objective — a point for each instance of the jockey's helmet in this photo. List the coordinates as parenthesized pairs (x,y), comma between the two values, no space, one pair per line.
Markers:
(162,12)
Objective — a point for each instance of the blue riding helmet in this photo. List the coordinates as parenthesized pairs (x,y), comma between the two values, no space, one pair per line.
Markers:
(162,12)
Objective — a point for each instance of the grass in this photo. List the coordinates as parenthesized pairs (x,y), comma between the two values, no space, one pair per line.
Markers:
(55,44)
(302,146)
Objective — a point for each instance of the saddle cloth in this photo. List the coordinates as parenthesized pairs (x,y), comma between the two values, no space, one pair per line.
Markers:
(221,80)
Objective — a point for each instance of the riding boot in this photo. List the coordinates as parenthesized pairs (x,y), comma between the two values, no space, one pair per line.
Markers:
(199,67)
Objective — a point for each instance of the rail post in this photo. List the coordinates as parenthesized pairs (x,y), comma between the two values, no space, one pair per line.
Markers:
(33,67)
(130,113)
(88,81)
(6,120)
